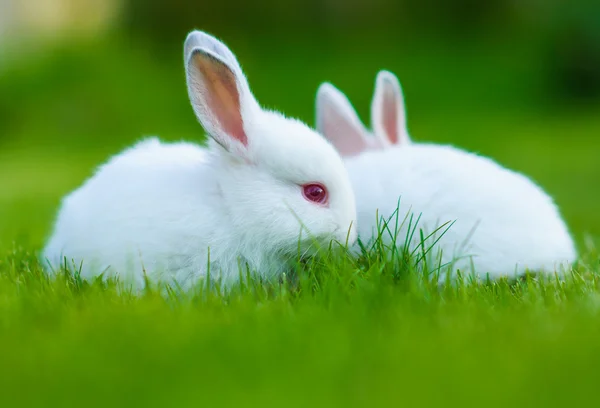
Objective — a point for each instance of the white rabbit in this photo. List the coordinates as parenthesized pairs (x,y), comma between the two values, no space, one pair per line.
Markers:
(174,212)
(503,223)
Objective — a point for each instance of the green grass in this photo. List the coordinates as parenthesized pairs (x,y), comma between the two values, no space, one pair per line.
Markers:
(351,333)
(347,334)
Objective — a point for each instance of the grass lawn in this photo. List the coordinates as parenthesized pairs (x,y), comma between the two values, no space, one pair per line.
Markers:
(353,332)
(347,336)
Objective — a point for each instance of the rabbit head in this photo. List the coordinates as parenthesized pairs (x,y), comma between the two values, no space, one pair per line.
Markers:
(275,174)
(338,121)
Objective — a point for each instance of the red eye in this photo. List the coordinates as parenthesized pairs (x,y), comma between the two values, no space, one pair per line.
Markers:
(315,192)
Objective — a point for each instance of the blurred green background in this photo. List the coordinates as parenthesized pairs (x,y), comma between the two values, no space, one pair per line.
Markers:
(516,80)
(81,79)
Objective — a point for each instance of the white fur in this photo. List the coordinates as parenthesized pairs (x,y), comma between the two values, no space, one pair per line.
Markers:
(174,210)
(503,222)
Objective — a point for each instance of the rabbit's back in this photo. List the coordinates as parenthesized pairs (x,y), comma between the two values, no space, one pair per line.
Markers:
(142,207)
(503,219)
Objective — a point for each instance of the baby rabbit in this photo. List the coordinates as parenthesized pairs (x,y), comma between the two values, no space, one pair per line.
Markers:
(489,220)
(176,211)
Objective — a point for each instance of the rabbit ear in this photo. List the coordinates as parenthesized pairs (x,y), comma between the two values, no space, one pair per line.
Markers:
(199,39)
(218,91)
(338,122)
(388,115)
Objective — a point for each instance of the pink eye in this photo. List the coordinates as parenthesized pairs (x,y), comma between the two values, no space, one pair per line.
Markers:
(315,192)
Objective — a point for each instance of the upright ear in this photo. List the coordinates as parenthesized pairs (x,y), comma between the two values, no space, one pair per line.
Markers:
(338,122)
(388,115)
(200,39)
(218,91)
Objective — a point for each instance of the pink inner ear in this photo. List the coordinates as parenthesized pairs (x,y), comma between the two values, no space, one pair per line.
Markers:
(390,115)
(341,132)
(222,96)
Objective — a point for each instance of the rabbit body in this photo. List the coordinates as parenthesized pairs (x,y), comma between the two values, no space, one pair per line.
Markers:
(489,220)
(175,212)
